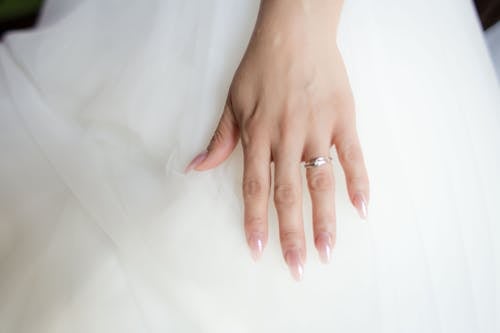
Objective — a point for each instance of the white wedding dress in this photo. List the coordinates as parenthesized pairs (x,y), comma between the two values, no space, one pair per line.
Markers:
(104,104)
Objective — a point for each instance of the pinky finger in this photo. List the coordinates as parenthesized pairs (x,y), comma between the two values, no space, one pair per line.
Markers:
(351,158)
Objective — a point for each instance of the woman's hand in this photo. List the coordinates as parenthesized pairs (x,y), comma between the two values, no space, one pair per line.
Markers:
(290,101)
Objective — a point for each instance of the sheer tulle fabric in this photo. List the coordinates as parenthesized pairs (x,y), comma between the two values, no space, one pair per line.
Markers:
(103,105)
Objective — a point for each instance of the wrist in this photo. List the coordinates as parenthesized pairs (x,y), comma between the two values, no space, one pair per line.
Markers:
(298,17)
(321,11)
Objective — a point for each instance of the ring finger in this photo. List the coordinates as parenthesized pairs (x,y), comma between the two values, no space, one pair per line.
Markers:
(321,184)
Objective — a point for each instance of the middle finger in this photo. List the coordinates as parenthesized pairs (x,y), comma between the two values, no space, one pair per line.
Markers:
(288,203)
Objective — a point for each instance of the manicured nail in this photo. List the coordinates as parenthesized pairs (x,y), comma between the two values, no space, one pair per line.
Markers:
(256,245)
(292,258)
(197,160)
(361,205)
(324,246)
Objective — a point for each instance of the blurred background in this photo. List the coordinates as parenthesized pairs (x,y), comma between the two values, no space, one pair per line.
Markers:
(23,14)
(20,14)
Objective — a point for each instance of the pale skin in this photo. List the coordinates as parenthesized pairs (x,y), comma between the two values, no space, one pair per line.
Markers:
(290,101)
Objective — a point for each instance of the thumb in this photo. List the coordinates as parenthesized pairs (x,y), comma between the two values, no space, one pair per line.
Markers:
(221,145)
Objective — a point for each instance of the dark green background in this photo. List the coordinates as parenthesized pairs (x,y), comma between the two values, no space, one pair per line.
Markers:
(18,14)
(14,9)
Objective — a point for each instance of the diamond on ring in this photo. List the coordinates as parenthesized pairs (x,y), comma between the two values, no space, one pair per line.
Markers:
(317,161)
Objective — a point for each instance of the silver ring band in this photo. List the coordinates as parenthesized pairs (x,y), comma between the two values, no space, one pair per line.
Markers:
(317,161)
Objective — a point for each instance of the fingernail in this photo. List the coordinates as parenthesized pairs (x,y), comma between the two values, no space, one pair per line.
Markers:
(292,258)
(256,245)
(361,205)
(324,246)
(197,160)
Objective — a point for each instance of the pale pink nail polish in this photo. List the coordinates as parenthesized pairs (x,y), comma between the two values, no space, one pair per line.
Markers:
(292,258)
(361,205)
(256,245)
(324,246)
(197,160)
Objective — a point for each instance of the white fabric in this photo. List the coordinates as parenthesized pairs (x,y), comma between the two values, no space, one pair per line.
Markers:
(103,105)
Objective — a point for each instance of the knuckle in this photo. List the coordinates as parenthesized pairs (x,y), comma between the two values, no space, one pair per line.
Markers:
(252,188)
(324,223)
(288,126)
(349,152)
(342,99)
(320,181)
(285,194)
(241,94)
(256,223)
(290,121)
(288,237)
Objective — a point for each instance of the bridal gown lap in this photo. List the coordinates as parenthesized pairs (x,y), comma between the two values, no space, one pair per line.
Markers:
(105,102)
